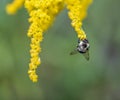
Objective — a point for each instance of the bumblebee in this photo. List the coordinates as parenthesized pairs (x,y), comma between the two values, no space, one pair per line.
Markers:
(83,48)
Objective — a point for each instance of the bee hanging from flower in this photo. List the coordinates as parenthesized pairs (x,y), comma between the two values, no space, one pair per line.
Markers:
(42,14)
(83,48)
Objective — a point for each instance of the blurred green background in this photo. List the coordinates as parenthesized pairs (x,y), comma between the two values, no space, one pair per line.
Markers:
(61,76)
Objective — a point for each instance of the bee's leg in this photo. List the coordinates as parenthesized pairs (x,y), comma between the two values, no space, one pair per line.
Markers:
(78,40)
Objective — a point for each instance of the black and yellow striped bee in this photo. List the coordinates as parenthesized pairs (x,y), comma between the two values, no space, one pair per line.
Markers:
(83,48)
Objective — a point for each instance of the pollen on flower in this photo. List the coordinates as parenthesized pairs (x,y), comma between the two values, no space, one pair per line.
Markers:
(42,14)
(14,6)
(32,75)
(77,12)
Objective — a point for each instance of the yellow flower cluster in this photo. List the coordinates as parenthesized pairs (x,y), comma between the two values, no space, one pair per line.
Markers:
(42,14)
(77,12)
(14,6)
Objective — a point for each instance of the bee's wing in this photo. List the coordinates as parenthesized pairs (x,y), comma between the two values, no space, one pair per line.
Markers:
(74,52)
(86,55)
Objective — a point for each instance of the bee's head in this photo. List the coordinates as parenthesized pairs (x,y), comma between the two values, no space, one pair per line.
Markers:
(83,46)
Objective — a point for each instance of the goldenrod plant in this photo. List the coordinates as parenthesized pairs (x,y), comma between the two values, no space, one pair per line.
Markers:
(42,14)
